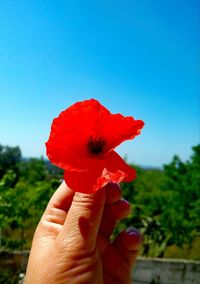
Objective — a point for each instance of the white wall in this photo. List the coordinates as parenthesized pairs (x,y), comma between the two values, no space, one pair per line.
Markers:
(163,271)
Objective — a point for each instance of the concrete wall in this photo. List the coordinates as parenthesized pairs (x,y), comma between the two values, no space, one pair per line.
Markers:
(165,271)
(146,271)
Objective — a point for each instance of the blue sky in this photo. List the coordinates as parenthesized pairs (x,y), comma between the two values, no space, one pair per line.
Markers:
(139,58)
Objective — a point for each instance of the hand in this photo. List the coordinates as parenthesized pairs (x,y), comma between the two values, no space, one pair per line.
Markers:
(72,241)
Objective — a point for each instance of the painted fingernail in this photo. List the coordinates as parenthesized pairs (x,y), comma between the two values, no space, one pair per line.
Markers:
(134,233)
(126,204)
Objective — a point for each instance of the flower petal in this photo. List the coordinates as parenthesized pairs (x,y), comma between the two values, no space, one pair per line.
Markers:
(99,173)
(114,164)
(70,131)
(119,128)
(84,182)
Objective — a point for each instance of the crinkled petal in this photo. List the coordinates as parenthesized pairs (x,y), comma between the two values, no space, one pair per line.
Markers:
(119,128)
(99,173)
(115,164)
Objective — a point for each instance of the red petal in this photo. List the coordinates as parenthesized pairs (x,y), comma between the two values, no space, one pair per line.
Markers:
(114,164)
(100,172)
(82,181)
(70,131)
(119,128)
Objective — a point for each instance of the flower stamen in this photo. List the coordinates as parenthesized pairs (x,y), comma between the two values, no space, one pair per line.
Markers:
(95,145)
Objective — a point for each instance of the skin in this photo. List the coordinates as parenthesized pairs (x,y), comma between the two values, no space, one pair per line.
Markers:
(72,240)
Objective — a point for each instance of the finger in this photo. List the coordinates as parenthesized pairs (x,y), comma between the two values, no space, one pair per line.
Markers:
(62,198)
(58,205)
(113,192)
(112,214)
(114,265)
(83,220)
(128,244)
(117,210)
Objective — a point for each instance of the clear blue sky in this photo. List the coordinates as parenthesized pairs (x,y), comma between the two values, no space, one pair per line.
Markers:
(140,58)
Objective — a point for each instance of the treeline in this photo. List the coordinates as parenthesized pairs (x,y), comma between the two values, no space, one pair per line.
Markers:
(165,203)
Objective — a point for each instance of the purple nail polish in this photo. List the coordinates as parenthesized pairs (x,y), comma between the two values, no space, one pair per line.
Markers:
(125,201)
(133,232)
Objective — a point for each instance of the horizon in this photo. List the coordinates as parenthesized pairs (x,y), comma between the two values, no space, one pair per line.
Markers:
(154,167)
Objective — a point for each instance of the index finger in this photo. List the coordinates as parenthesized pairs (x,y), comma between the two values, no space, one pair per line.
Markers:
(61,199)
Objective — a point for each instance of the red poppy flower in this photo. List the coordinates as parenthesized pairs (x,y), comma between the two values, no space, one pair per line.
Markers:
(82,142)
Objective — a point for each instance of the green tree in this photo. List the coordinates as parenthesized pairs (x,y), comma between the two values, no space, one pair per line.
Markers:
(9,158)
(14,209)
(166,204)
(181,209)
(33,170)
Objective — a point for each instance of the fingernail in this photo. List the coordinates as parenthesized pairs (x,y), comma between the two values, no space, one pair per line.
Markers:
(133,232)
(126,204)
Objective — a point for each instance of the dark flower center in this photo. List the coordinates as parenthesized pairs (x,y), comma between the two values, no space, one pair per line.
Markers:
(95,145)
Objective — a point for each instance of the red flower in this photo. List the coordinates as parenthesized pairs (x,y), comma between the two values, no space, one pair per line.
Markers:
(82,140)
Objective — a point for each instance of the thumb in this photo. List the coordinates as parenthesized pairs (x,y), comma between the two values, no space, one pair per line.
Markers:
(83,220)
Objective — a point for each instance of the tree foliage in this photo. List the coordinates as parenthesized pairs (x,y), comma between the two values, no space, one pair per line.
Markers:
(181,210)
(166,204)
(9,158)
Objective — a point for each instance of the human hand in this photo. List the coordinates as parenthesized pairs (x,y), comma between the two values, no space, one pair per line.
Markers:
(72,241)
